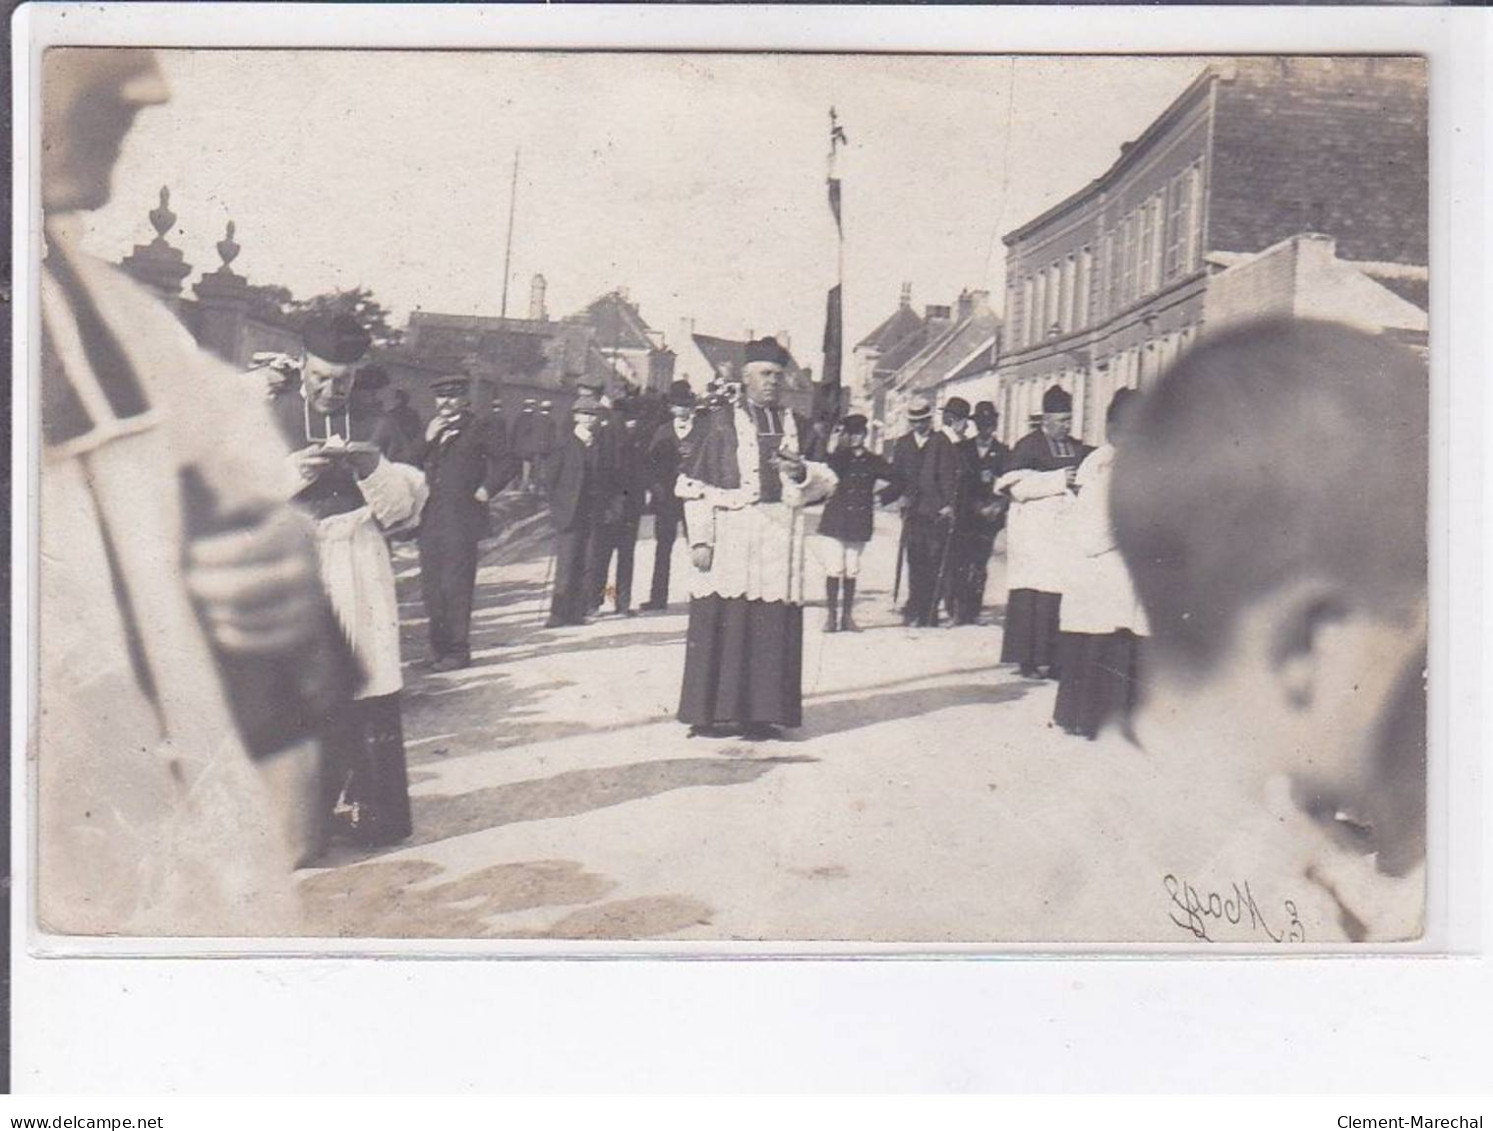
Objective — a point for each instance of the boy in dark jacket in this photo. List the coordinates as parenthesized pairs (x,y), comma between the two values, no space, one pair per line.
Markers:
(846,524)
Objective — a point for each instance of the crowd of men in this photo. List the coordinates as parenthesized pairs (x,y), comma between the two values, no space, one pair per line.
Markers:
(219,658)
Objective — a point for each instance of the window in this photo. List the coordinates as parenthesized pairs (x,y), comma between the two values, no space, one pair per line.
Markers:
(1085,284)
(1027,296)
(1143,252)
(1157,212)
(1013,312)
(1039,307)
(1176,225)
(1192,244)
(1111,274)
(1054,297)
(1127,261)
(1070,294)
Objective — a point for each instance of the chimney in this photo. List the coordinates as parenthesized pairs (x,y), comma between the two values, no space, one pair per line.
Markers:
(784,340)
(622,294)
(906,301)
(686,332)
(966,305)
(537,313)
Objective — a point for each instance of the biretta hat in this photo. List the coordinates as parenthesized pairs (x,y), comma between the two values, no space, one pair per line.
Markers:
(956,406)
(338,338)
(681,395)
(919,408)
(765,349)
(1057,401)
(985,411)
(855,422)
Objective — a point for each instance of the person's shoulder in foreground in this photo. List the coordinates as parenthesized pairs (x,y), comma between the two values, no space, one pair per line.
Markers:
(1278,785)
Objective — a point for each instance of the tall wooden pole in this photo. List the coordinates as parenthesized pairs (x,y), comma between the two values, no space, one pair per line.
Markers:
(508,250)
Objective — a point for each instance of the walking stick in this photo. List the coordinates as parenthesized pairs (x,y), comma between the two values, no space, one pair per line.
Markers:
(544,590)
(901,556)
(943,565)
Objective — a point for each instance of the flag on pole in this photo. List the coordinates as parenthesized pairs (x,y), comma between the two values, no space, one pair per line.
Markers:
(837,138)
(833,336)
(833,317)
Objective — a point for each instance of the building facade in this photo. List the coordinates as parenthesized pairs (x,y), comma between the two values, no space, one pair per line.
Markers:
(1107,288)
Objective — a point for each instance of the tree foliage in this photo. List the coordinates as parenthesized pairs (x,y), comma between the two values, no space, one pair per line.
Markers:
(277,304)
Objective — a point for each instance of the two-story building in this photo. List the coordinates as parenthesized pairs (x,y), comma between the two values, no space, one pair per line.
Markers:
(1106,288)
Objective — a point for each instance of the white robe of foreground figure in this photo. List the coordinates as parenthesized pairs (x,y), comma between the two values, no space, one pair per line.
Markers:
(152,817)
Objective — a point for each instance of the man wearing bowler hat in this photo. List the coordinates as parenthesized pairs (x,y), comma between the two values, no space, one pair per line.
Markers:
(983,512)
(667,449)
(463,472)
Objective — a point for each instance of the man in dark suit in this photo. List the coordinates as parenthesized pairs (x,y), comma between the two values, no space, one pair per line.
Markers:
(941,499)
(615,532)
(463,474)
(983,513)
(575,478)
(667,449)
(907,458)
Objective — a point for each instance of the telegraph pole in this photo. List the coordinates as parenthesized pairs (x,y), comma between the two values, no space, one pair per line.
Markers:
(508,250)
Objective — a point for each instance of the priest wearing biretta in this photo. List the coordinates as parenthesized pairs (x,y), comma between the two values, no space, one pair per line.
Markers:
(744,487)
(1040,485)
(338,475)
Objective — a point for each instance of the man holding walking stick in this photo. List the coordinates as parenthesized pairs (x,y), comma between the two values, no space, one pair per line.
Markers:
(932,515)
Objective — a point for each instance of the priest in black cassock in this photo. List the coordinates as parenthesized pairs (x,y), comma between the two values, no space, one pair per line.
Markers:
(338,475)
(744,487)
(1039,483)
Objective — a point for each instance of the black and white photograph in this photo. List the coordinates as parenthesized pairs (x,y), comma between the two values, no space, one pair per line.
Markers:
(731,498)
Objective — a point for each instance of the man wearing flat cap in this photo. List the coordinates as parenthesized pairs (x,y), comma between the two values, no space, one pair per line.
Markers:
(337,474)
(464,469)
(744,488)
(1039,483)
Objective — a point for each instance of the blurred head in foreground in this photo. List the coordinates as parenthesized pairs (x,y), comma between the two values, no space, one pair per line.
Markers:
(1270,501)
(90,96)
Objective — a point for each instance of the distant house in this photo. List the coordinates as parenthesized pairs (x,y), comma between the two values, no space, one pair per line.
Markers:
(632,349)
(535,357)
(871,357)
(723,358)
(955,355)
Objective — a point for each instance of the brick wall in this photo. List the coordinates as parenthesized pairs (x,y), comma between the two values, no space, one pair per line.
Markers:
(1335,145)
(1256,288)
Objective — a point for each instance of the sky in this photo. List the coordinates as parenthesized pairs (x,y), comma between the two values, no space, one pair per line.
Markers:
(697,182)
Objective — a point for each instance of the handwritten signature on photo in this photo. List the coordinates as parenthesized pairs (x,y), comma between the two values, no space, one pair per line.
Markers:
(1199,912)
